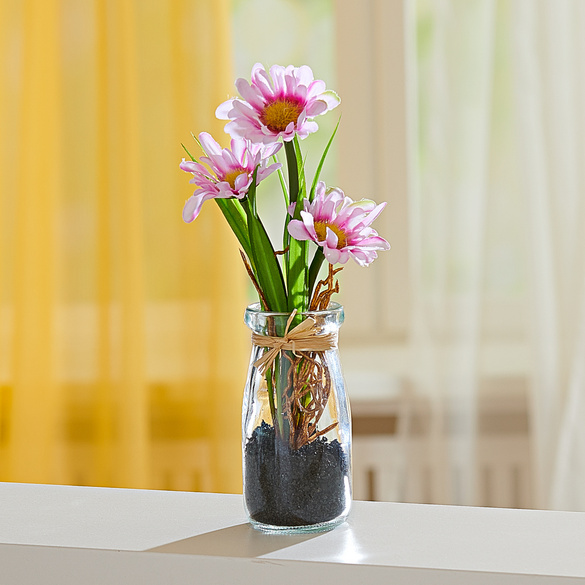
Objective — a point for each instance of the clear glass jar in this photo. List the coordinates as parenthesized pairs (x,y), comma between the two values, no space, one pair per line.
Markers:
(296,430)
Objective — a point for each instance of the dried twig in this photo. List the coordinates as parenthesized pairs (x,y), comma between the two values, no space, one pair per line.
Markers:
(320,300)
(306,401)
(254,281)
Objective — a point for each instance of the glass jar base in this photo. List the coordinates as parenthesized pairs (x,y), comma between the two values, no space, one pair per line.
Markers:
(305,529)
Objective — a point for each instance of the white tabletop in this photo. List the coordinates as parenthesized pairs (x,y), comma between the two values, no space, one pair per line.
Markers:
(70,535)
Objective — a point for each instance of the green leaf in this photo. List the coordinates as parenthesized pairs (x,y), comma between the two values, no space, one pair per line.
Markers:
(188,153)
(251,196)
(267,269)
(235,216)
(196,139)
(320,166)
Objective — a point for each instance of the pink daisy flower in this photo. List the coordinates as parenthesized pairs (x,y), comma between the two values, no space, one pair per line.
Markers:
(340,226)
(278,104)
(230,171)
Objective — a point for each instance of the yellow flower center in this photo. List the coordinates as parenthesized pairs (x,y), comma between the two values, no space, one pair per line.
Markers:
(280,113)
(321,230)
(233,175)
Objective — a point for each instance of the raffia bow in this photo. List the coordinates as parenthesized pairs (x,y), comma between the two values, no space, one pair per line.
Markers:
(304,337)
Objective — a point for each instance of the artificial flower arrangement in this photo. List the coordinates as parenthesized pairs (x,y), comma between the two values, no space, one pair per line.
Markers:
(321,224)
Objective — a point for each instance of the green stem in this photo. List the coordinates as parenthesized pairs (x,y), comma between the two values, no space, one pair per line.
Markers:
(297,255)
(293,171)
(270,389)
(316,264)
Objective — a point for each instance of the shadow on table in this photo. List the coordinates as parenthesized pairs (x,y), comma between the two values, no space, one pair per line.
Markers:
(236,541)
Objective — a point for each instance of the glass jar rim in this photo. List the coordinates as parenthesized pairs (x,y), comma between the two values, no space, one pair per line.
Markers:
(333,309)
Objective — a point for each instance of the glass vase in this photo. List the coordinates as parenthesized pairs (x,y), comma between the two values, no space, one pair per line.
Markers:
(296,425)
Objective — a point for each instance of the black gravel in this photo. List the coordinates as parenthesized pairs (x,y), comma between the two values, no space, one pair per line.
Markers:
(288,487)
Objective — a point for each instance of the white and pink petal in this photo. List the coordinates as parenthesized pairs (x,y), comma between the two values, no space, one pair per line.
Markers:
(332,255)
(250,93)
(210,146)
(298,230)
(223,111)
(190,166)
(193,205)
(331,239)
(315,108)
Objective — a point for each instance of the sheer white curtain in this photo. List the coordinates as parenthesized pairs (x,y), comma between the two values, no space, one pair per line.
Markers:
(499,125)
(491,270)
(549,62)
(452,82)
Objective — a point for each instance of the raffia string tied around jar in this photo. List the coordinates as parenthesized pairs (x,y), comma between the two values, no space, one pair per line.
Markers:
(304,337)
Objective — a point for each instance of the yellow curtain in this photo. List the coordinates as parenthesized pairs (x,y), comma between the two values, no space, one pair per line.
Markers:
(122,348)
